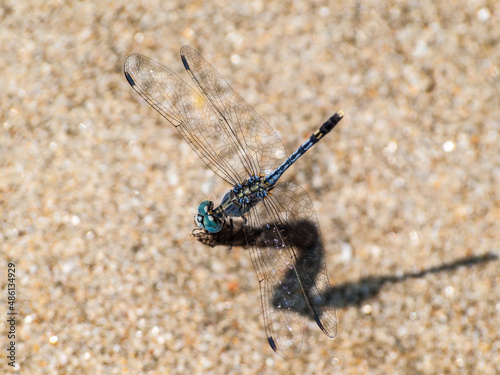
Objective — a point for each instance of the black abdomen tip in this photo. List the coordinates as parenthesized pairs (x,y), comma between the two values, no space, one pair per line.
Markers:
(186,65)
(336,117)
(331,122)
(129,79)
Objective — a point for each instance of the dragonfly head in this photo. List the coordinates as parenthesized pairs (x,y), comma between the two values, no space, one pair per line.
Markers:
(205,219)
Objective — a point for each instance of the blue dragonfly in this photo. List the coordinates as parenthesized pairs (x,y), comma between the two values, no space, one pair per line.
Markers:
(278,221)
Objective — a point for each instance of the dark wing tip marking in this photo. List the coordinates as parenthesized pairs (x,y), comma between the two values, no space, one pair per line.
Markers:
(129,79)
(186,65)
(316,318)
(272,343)
(322,327)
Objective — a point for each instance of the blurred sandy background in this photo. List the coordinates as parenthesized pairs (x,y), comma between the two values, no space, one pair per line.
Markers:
(98,192)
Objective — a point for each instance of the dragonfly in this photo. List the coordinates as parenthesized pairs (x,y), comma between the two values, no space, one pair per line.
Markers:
(277,219)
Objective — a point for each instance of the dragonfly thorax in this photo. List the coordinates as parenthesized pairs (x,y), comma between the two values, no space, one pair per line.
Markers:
(244,196)
(236,202)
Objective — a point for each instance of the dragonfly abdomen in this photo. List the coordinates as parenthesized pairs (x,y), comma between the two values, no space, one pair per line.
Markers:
(273,177)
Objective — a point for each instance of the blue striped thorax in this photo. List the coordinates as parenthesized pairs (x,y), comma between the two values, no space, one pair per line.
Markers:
(237,202)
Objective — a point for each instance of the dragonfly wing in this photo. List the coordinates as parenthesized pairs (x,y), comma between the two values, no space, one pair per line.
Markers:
(259,145)
(283,322)
(288,257)
(197,121)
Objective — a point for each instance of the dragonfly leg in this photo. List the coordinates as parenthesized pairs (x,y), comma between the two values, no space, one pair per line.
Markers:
(232,234)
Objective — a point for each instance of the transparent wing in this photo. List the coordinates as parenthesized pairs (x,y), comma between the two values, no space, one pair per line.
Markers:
(213,135)
(262,150)
(188,111)
(288,257)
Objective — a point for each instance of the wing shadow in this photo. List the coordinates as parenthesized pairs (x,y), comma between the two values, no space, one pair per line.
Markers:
(346,294)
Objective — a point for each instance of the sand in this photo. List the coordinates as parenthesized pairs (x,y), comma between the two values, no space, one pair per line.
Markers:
(98,192)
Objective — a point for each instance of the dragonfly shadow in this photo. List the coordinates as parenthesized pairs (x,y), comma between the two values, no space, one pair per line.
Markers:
(300,235)
(356,293)
(305,238)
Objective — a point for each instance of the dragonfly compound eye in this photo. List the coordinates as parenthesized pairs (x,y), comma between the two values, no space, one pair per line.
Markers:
(211,224)
(205,207)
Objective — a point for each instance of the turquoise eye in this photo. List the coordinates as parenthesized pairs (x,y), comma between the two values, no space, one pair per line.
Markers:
(204,207)
(211,224)
(207,221)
